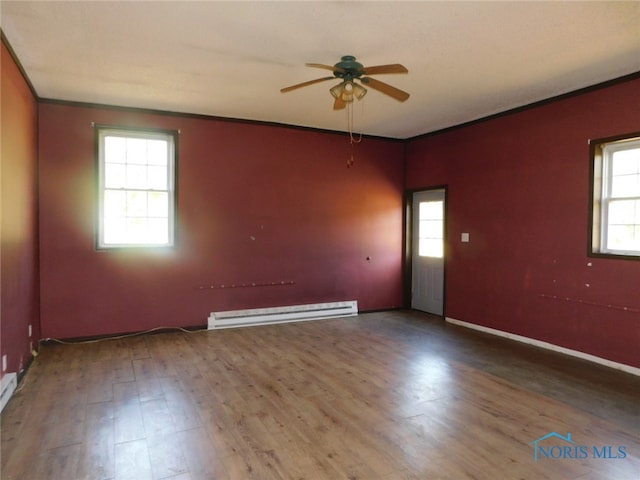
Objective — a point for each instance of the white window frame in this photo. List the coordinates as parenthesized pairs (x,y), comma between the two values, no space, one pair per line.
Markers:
(171,138)
(601,194)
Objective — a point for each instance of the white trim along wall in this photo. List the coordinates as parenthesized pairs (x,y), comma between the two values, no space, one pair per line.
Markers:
(548,346)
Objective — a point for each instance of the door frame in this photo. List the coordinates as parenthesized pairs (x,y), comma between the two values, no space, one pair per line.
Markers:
(407,264)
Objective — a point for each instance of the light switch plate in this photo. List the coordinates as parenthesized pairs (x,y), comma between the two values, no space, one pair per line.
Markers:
(464,237)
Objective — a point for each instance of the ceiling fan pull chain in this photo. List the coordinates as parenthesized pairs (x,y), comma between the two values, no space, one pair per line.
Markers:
(350,123)
(351,161)
(362,121)
(352,139)
(349,112)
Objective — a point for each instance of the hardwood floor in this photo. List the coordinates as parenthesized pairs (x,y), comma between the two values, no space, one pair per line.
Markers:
(382,396)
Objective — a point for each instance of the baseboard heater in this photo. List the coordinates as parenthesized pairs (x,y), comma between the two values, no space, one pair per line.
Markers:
(8,385)
(290,313)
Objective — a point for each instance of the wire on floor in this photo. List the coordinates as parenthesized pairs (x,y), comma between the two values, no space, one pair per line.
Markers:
(36,352)
(119,337)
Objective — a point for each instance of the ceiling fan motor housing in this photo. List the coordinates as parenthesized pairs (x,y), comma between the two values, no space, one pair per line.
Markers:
(348,68)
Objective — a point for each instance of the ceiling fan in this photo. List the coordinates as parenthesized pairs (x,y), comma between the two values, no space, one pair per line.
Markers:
(349,71)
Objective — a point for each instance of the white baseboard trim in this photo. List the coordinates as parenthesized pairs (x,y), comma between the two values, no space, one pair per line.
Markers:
(548,346)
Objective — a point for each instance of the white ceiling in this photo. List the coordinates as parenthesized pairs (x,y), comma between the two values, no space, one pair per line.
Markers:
(466,60)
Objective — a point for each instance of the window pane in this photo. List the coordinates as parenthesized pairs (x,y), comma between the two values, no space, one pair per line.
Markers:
(157,178)
(136,188)
(115,175)
(625,186)
(115,230)
(615,226)
(157,151)
(158,204)
(137,231)
(115,150)
(115,203)
(158,230)
(137,151)
(136,176)
(624,237)
(626,162)
(136,204)
(623,212)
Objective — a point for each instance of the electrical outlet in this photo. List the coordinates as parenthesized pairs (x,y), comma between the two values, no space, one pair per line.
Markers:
(4,363)
(30,332)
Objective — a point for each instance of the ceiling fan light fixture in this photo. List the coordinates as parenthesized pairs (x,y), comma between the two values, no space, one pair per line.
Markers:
(347,90)
(337,90)
(359,91)
(347,97)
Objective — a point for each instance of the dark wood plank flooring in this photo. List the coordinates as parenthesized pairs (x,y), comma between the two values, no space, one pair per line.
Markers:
(390,395)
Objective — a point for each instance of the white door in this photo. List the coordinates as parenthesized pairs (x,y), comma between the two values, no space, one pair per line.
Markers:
(427,283)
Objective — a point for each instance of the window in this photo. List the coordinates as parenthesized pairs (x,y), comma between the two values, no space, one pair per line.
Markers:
(137,201)
(615,206)
(431,229)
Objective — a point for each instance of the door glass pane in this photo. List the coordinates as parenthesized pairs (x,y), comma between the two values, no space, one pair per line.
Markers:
(431,229)
(430,247)
(431,210)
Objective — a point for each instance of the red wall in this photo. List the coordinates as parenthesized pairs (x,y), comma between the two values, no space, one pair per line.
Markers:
(257,204)
(519,184)
(18,224)
(265,204)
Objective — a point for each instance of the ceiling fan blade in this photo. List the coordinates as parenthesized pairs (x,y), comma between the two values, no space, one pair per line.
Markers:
(393,68)
(326,67)
(339,104)
(385,88)
(304,84)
